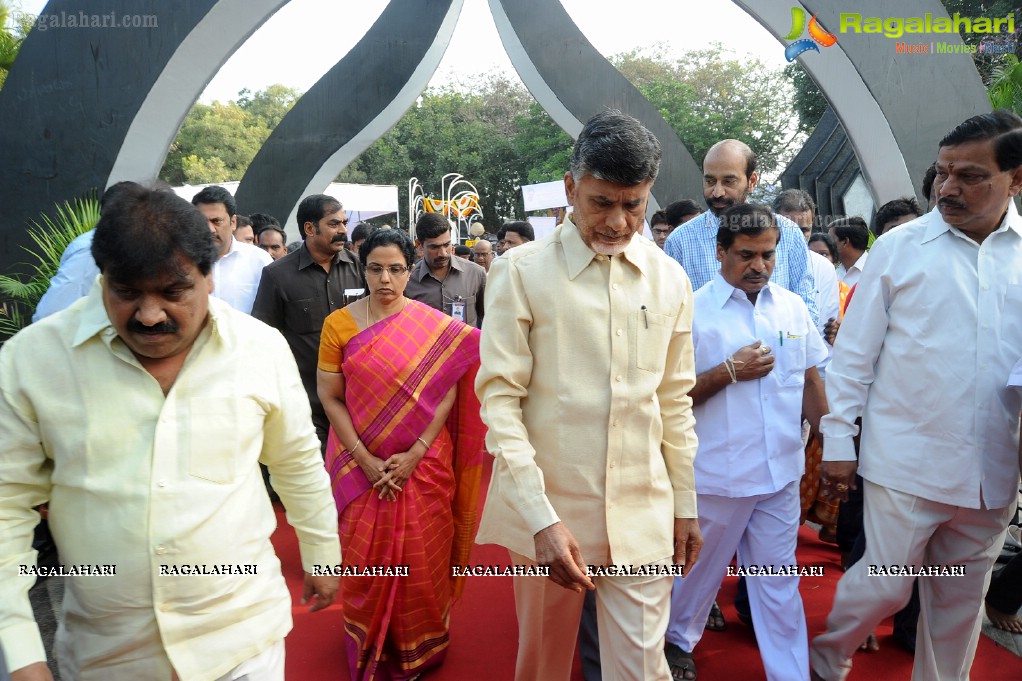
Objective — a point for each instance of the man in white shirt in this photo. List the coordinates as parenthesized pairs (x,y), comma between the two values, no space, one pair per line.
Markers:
(923,356)
(756,349)
(239,266)
(137,415)
(852,238)
(798,206)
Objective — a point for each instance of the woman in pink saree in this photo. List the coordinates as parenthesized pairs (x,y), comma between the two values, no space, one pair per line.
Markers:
(405,456)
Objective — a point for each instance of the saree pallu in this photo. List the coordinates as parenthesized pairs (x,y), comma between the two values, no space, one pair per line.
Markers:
(396,374)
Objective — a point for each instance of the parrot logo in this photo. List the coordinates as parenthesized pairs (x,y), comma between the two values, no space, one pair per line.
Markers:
(816,32)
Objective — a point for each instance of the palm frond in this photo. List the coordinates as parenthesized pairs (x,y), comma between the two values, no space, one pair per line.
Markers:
(21,294)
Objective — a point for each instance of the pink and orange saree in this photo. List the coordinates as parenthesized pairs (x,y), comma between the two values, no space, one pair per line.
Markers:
(396,373)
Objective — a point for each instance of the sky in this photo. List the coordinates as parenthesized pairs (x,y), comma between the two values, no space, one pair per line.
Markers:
(274,55)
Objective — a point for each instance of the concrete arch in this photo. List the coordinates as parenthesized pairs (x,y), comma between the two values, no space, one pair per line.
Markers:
(328,127)
(572,81)
(890,107)
(86,107)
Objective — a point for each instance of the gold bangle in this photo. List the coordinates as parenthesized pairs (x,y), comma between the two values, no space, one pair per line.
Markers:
(357,445)
(423,443)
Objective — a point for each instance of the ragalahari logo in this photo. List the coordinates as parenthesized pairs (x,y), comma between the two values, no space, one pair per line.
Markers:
(816,32)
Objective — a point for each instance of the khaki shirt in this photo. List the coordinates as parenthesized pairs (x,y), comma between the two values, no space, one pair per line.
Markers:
(586,367)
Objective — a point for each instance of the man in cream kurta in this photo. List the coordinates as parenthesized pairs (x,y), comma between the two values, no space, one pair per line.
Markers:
(154,472)
(586,365)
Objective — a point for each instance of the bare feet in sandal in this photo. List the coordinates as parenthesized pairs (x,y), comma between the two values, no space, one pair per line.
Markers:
(715,620)
(680,662)
(1004,621)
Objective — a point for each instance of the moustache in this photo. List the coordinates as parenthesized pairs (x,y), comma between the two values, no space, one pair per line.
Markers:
(339,239)
(135,326)
(954,203)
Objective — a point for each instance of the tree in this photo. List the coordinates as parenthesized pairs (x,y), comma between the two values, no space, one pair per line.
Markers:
(709,95)
(14,28)
(217,142)
(1005,86)
(468,129)
(808,101)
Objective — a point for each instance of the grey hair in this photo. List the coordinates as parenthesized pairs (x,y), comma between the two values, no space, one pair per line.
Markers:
(617,148)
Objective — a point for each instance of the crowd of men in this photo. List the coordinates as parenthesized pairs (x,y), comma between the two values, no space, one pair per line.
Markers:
(648,403)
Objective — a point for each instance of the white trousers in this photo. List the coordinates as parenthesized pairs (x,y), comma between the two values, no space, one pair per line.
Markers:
(631,616)
(902,529)
(763,529)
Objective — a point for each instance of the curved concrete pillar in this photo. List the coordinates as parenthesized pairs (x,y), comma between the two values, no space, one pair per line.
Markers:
(894,107)
(85,107)
(573,81)
(352,106)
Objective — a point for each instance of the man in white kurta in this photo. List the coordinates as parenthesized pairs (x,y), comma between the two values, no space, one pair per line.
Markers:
(756,348)
(923,357)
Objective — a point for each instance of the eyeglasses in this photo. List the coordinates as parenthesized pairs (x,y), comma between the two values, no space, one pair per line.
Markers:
(378,270)
(664,231)
(483,255)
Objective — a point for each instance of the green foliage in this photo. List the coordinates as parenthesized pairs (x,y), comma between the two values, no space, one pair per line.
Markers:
(21,294)
(709,95)
(14,28)
(455,130)
(808,101)
(217,142)
(1005,86)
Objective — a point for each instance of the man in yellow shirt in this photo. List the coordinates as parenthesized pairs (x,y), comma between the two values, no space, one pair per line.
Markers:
(586,366)
(136,415)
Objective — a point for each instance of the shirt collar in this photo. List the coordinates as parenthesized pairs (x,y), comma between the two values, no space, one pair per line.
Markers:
(578,255)
(94,320)
(305,257)
(421,269)
(936,225)
(230,251)
(860,261)
(720,291)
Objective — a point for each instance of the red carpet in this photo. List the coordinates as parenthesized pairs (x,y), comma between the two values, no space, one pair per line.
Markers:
(484,634)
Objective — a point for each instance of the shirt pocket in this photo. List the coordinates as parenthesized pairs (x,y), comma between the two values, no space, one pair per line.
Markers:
(219,428)
(790,361)
(300,316)
(652,336)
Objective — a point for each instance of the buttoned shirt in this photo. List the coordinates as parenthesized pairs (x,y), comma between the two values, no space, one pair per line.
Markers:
(465,284)
(138,480)
(295,297)
(850,275)
(923,355)
(73,280)
(236,275)
(750,433)
(828,297)
(694,245)
(586,369)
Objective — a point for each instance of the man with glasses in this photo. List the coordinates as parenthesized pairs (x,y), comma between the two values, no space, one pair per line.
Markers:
(452,285)
(298,291)
(660,227)
(482,254)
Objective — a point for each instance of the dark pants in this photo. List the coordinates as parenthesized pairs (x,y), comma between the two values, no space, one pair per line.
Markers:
(849,519)
(1005,592)
(589,640)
